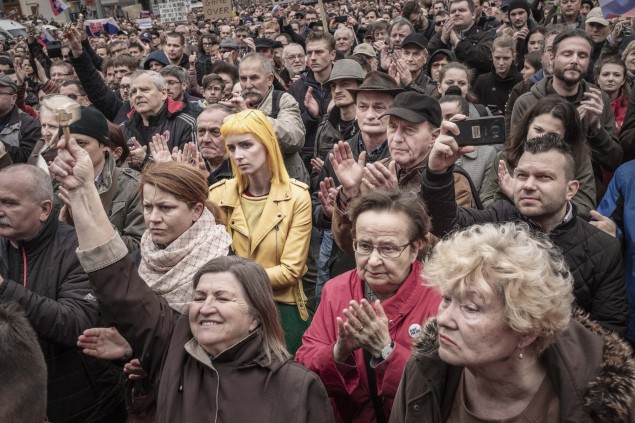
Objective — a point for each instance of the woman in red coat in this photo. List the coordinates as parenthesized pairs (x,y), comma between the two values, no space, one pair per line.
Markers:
(361,336)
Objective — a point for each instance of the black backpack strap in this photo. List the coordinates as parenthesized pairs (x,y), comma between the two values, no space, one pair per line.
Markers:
(475,196)
(275,103)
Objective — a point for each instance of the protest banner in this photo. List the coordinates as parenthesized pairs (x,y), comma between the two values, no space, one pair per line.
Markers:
(175,11)
(217,9)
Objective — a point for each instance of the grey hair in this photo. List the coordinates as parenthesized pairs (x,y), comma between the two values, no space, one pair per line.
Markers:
(267,67)
(284,51)
(344,28)
(398,22)
(176,71)
(157,78)
(41,188)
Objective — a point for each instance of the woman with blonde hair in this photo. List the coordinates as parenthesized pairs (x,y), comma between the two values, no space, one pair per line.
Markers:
(267,214)
(504,345)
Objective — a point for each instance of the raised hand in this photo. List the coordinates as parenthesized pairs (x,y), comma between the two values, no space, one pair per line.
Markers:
(317,164)
(348,171)
(104,343)
(327,195)
(377,176)
(159,149)
(505,180)
(72,166)
(445,151)
(312,106)
(138,153)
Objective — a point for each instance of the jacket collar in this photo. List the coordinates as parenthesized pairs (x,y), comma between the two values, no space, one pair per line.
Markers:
(43,237)
(246,352)
(272,213)
(592,370)
(406,297)
(167,111)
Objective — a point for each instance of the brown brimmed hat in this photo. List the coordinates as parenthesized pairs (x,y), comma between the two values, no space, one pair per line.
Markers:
(377,82)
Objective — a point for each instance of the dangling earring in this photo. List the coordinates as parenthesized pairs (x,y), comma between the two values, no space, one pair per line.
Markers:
(520,354)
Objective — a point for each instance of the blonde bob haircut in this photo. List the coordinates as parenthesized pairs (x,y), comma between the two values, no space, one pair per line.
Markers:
(256,123)
(509,262)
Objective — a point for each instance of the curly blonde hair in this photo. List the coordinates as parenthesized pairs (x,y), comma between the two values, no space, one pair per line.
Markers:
(509,262)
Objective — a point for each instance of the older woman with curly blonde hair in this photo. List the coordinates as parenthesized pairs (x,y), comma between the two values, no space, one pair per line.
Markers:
(504,346)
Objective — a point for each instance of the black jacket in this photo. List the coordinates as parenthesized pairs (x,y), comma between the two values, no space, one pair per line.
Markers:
(171,121)
(323,97)
(60,305)
(475,49)
(594,257)
(102,97)
(627,133)
(492,90)
(20,135)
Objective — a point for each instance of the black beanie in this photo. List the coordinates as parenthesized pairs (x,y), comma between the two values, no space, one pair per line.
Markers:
(93,124)
(518,4)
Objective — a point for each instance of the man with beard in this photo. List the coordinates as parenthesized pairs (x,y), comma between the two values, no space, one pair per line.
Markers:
(211,143)
(256,78)
(471,45)
(571,53)
(177,82)
(544,184)
(308,91)
(519,21)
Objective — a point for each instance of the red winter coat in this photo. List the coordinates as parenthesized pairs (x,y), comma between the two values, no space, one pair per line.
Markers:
(347,384)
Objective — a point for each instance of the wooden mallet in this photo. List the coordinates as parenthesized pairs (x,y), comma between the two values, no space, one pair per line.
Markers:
(66,112)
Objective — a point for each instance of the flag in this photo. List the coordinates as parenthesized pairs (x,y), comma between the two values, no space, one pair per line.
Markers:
(58,6)
(97,26)
(613,8)
(45,37)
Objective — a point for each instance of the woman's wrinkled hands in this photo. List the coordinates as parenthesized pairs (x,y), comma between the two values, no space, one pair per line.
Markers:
(366,326)
(72,166)
(104,343)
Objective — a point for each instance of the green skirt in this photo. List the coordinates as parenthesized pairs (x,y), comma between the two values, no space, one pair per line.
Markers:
(293,326)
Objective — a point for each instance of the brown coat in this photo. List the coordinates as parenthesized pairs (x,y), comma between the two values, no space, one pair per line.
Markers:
(591,370)
(410,181)
(237,385)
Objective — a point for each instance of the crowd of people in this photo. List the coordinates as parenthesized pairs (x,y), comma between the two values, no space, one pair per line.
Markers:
(275,217)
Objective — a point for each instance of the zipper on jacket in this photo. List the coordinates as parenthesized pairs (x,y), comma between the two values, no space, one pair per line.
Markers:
(24,266)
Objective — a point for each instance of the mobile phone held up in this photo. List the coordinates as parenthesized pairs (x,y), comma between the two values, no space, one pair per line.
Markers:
(485,130)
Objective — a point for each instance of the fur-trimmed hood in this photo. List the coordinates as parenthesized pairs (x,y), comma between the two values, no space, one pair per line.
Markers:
(592,370)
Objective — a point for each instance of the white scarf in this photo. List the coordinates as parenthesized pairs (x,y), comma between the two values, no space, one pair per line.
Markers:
(170,271)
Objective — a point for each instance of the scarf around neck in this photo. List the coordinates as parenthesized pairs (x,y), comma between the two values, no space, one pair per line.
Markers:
(170,271)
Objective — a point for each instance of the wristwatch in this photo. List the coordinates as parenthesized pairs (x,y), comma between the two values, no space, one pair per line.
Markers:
(385,352)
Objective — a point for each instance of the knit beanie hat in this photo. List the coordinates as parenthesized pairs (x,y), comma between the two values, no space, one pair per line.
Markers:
(93,124)
(518,4)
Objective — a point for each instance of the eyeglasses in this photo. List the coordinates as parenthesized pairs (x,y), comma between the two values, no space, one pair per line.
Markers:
(214,89)
(125,87)
(385,251)
(440,23)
